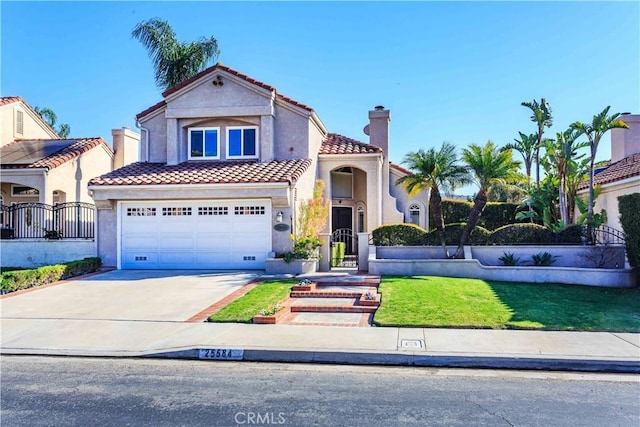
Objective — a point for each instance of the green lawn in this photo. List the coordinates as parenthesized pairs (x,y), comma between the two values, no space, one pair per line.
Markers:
(426,301)
(244,308)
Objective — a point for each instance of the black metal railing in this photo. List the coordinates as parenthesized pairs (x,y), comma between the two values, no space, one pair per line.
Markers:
(75,220)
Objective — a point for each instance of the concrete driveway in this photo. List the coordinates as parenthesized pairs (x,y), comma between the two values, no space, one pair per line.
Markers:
(159,295)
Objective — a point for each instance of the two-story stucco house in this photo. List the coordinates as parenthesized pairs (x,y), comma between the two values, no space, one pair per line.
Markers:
(226,160)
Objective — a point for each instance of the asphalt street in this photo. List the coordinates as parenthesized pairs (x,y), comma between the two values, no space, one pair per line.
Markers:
(50,391)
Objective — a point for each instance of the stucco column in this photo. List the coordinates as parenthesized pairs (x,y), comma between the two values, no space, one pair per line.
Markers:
(267,153)
(363,251)
(325,252)
(172,142)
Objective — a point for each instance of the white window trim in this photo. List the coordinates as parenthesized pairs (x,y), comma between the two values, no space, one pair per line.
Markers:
(203,129)
(230,128)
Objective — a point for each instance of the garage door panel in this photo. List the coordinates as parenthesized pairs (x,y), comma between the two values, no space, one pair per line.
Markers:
(202,234)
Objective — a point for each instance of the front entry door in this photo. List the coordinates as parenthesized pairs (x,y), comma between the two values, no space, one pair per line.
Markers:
(344,242)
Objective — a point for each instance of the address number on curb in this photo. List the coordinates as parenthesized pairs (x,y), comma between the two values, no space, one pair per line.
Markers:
(221,353)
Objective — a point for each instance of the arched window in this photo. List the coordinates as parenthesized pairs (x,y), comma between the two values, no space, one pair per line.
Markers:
(361,219)
(414,214)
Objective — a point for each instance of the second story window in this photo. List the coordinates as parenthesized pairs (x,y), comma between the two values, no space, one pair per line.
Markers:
(242,142)
(204,143)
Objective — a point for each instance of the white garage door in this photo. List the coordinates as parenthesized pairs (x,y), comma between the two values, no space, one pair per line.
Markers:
(194,235)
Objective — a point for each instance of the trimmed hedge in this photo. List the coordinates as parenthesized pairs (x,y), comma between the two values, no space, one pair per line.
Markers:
(629,207)
(24,279)
(453,233)
(399,235)
(494,215)
(573,234)
(518,234)
(337,253)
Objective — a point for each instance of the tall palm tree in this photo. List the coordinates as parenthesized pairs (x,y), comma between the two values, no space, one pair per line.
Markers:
(434,170)
(526,146)
(541,115)
(563,155)
(174,61)
(600,124)
(489,165)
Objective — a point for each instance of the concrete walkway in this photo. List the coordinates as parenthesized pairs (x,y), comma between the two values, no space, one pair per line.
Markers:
(149,337)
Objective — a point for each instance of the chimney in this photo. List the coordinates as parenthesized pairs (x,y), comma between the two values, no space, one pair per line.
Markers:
(378,129)
(625,142)
(126,146)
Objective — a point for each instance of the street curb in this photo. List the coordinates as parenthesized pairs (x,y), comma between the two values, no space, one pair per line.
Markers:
(439,361)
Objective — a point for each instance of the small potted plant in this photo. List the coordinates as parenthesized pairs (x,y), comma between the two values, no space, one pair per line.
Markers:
(370,299)
(270,315)
(304,285)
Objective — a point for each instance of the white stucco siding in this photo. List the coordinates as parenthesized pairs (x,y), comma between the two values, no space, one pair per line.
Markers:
(32,126)
(404,202)
(608,199)
(292,137)
(30,178)
(106,236)
(73,176)
(157,126)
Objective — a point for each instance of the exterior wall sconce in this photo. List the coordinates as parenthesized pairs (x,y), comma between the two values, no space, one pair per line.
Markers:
(279,217)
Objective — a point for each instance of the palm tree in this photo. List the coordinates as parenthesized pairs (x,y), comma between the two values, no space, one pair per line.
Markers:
(600,124)
(563,156)
(489,165)
(526,146)
(541,115)
(49,116)
(434,170)
(174,61)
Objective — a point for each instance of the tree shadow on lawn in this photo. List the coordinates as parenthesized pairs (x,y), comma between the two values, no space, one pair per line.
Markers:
(570,307)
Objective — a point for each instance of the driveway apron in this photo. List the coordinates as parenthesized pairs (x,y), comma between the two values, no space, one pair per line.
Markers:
(159,295)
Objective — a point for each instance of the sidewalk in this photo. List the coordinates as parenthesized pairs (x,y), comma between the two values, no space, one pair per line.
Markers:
(509,349)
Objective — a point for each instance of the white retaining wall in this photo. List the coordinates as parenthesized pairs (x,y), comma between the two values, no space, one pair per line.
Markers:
(37,253)
(409,263)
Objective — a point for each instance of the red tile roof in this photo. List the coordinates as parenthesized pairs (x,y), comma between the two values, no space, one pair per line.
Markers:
(625,168)
(220,66)
(338,144)
(75,148)
(6,100)
(206,172)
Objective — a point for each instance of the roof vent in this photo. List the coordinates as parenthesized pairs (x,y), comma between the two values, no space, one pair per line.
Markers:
(379,107)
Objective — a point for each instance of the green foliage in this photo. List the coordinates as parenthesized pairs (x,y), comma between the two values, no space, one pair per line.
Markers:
(304,248)
(573,234)
(337,253)
(24,279)
(311,220)
(629,207)
(494,215)
(399,235)
(453,232)
(543,259)
(509,259)
(515,234)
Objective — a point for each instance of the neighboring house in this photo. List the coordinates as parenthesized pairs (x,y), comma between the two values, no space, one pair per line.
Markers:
(622,175)
(38,166)
(226,161)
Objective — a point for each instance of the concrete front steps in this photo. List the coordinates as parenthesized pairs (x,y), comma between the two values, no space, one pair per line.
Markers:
(335,301)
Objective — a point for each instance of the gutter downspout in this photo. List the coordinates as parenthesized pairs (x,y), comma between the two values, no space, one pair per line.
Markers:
(146,142)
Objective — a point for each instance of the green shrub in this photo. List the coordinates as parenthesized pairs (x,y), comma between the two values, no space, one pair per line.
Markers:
(24,279)
(521,234)
(453,233)
(544,259)
(399,235)
(455,211)
(573,234)
(629,207)
(337,253)
(498,214)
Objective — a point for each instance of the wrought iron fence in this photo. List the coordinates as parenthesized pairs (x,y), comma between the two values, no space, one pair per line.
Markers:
(73,220)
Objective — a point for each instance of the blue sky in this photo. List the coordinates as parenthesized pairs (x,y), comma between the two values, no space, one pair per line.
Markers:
(448,71)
